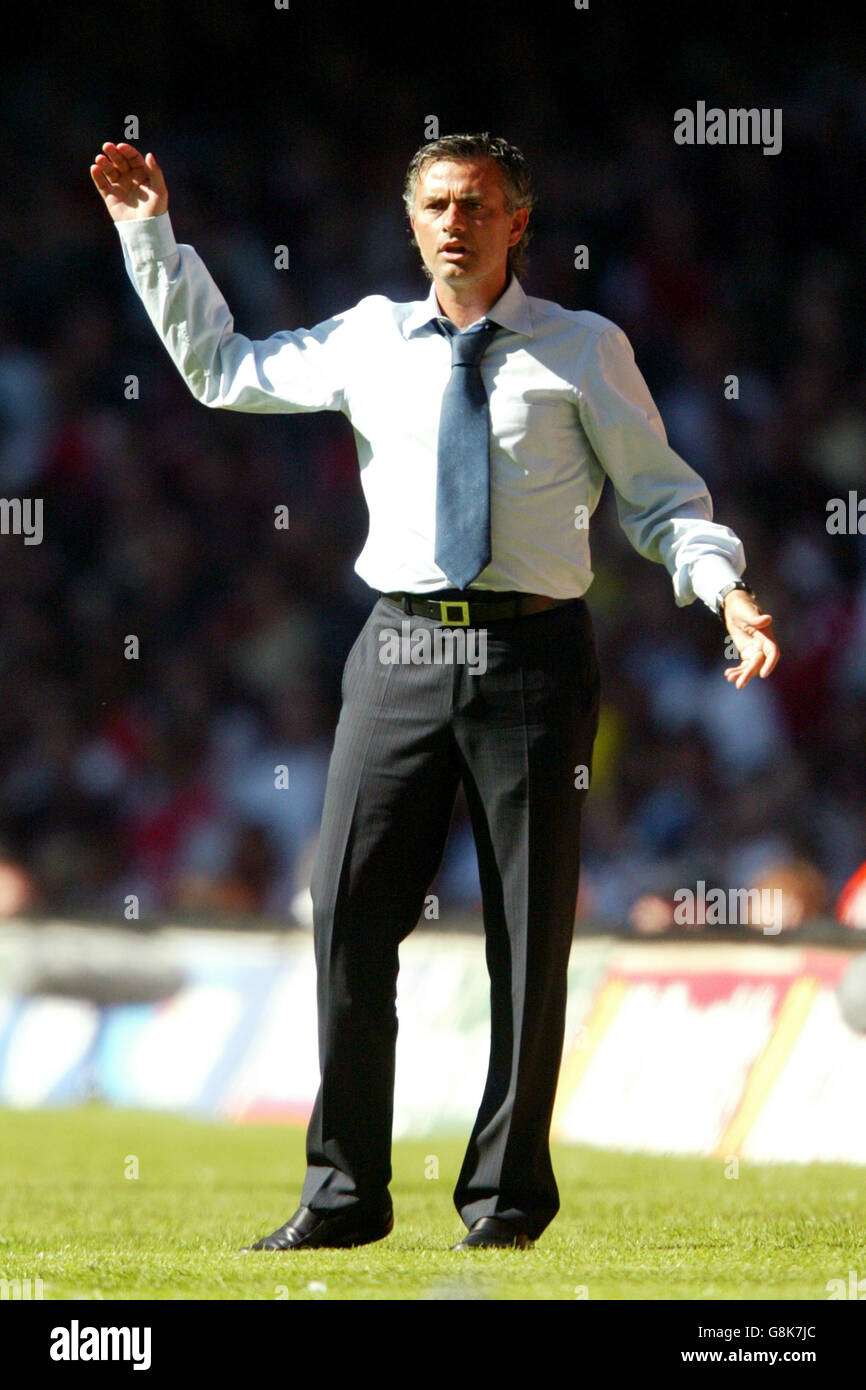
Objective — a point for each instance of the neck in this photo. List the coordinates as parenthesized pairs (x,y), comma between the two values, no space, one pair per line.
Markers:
(465,304)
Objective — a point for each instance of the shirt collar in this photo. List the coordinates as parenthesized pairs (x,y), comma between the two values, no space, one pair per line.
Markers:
(511,311)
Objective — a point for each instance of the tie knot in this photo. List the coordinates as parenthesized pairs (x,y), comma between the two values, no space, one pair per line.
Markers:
(467,348)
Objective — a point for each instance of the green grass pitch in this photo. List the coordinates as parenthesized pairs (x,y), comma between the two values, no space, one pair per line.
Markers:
(629,1227)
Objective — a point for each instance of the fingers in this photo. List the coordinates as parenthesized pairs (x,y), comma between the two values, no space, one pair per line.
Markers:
(121,166)
(742,674)
(124,158)
(156,179)
(771,656)
(113,178)
(756,644)
(759,658)
(99,178)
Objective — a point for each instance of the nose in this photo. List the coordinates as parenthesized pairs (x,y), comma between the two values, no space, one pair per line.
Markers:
(453,217)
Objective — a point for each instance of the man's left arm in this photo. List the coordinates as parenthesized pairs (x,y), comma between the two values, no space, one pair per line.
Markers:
(663,505)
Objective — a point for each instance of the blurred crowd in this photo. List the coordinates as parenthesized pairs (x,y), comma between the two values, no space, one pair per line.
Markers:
(183,772)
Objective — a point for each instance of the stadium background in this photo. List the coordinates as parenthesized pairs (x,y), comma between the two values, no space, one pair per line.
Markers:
(155,777)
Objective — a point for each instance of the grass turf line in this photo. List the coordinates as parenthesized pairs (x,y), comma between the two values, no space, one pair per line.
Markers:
(630,1226)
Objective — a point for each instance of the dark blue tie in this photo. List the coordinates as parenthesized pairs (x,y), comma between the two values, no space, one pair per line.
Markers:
(463,460)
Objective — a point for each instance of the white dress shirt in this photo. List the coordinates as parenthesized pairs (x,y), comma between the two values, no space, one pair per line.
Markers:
(568,406)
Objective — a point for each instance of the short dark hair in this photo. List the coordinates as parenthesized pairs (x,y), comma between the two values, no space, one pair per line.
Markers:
(512,165)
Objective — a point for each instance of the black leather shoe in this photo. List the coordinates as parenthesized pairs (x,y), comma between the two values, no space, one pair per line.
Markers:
(490,1231)
(316,1230)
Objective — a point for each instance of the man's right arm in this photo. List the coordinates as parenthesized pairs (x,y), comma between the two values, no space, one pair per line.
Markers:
(289,372)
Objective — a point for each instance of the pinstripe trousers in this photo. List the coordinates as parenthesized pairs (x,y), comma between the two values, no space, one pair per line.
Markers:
(514,733)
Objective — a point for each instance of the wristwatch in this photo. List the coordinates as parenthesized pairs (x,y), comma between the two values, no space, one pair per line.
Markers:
(723,593)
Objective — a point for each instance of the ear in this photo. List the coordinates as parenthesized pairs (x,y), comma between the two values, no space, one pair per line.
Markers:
(518,225)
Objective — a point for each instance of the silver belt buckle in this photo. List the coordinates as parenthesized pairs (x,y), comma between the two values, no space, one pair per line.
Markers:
(462,621)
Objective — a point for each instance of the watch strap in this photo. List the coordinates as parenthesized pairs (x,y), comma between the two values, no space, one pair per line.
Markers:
(727,589)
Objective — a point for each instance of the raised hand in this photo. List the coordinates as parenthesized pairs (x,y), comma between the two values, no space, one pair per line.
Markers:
(132,186)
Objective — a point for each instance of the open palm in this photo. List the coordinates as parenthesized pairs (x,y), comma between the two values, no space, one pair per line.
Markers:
(131,185)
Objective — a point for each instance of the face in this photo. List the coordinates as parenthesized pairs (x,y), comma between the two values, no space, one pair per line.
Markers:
(460,223)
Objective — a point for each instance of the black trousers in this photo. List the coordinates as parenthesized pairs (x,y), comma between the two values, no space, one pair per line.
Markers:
(517,735)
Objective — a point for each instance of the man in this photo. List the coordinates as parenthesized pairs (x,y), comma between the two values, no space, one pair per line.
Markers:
(485,422)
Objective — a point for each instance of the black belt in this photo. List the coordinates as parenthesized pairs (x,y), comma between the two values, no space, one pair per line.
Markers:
(464,610)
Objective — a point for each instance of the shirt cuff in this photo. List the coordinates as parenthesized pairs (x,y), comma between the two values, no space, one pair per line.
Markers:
(710,574)
(147,238)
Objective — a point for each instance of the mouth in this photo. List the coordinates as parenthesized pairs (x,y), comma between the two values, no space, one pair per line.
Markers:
(454,250)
